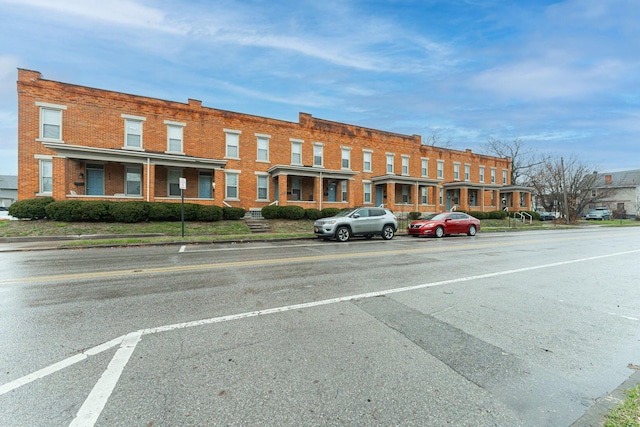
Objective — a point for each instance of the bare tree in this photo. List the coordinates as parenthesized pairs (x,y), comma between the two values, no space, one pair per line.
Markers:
(523,159)
(437,139)
(556,178)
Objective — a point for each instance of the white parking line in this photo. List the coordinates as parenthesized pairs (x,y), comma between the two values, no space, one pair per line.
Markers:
(93,405)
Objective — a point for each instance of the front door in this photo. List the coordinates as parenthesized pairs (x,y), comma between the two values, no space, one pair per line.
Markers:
(331,192)
(95,180)
(379,195)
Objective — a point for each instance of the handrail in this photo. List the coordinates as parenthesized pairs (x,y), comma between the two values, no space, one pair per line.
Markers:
(523,215)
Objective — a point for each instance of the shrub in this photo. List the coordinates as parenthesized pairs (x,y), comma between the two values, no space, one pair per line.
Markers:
(478,214)
(414,215)
(270,212)
(30,208)
(96,210)
(209,213)
(130,211)
(291,212)
(327,212)
(312,214)
(65,210)
(233,213)
(497,215)
(159,211)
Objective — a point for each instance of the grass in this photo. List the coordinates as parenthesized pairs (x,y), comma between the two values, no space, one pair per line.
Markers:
(627,414)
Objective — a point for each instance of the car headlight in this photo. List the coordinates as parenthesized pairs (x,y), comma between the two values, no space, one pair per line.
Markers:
(428,225)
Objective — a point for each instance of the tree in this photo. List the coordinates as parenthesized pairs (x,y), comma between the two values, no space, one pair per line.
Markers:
(437,139)
(557,177)
(523,159)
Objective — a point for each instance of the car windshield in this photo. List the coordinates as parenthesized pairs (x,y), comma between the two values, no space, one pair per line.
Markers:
(345,212)
(435,217)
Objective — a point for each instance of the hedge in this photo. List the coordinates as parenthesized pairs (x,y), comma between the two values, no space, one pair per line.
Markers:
(327,212)
(30,208)
(77,210)
(130,212)
(209,213)
(233,213)
(312,214)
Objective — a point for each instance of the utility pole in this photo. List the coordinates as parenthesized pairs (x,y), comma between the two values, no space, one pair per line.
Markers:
(564,193)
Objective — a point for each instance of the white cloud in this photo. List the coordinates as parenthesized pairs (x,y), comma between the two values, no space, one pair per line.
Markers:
(8,74)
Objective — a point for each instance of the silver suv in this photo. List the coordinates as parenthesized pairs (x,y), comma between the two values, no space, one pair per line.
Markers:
(366,222)
(599,214)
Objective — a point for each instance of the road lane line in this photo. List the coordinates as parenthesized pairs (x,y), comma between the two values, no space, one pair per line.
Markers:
(97,399)
(44,372)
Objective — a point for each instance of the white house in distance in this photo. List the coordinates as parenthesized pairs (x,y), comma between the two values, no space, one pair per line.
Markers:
(624,186)
(8,190)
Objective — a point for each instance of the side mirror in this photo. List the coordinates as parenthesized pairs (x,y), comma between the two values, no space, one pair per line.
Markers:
(356,215)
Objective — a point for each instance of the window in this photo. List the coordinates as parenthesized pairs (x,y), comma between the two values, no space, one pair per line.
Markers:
(493,175)
(441,169)
(174,136)
(173,182)
(481,173)
(263,187)
(367,192)
(504,176)
(51,121)
(346,158)
(132,131)
(366,166)
(424,195)
(231,190)
(263,147)
(441,196)
(424,170)
(317,154)
(456,171)
(390,159)
(232,141)
(133,181)
(344,191)
(205,185)
(405,165)
(296,152)
(46,176)
(467,172)
(405,194)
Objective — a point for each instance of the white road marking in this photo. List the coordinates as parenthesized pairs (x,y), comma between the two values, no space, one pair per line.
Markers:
(182,248)
(91,409)
(625,317)
(94,404)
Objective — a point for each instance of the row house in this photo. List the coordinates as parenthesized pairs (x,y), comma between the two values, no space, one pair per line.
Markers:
(77,142)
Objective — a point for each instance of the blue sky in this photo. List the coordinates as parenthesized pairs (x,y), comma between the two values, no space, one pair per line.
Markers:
(563,76)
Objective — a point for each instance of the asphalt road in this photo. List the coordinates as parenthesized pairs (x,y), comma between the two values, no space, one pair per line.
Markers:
(502,329)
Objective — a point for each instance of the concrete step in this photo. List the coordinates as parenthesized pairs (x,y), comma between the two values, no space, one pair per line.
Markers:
(258,226)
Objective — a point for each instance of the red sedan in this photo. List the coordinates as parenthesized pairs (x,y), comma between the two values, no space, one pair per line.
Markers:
(445,223)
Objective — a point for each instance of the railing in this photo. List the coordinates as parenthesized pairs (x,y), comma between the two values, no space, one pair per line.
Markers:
(523,216)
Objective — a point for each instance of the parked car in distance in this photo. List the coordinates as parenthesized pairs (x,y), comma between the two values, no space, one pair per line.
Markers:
(443,224)
(598,214)
(4,213)
(547,216)
(367,222)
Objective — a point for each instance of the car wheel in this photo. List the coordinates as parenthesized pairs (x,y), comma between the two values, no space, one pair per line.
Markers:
(472,231)
(387,232)
(343,234)
(439,232)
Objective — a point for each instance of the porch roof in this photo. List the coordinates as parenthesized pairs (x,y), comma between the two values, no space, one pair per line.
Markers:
(518,188)
(133,156)
(404,179)
(311,171)
(472,185)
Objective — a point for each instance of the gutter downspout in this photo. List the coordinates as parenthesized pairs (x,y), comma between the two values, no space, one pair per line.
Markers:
(148,176)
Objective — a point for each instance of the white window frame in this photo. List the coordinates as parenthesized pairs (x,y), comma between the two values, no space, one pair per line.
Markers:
(228,183)
(424,195)
(318,148)
(481,174)
(44,108)
(133,119)
(405,165)
(441,196)
(42,178)
(440,173)
(406,195)
(424,170)
(366,192)
(505,177)
(367,160)
(493,175)
(175,132)
(391,159)
(296,151)
(232,140)
(467,172)
(262,147)
(132,169)
(344,190)
(345,162)
(174,180)
(262,176)
(456,171)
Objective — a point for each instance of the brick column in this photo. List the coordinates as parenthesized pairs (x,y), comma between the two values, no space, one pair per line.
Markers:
(219,183)
(59,178)
(282,190)
(149,182)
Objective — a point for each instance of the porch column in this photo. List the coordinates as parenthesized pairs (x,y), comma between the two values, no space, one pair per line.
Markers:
(415,196)
(516,201)
(318,191)
(351,193)
(390,202)
(218,186)
(464,199)
(59,178)
(149,181)
(282,189)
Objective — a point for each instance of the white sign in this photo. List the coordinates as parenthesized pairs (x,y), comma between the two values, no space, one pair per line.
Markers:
(183,183)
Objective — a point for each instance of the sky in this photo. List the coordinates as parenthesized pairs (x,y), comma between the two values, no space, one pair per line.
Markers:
(562,76)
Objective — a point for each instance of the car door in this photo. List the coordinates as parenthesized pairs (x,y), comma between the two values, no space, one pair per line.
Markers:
(360,221)
(457,223)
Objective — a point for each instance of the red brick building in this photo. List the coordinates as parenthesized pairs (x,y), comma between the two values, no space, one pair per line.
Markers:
(78,142)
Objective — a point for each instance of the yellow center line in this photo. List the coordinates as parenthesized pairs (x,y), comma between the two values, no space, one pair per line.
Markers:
(289,260)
